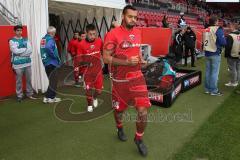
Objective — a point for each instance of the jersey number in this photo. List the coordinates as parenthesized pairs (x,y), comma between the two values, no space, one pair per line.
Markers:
(206,43)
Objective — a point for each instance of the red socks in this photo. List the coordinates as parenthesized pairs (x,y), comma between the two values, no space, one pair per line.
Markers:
(119,126)
(138,136)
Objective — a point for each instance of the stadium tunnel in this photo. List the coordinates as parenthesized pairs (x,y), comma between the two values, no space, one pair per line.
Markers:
(70,15)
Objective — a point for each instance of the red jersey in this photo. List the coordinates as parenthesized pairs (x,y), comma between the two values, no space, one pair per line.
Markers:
(72,46)
(90,52)
(76,45)
(124,44)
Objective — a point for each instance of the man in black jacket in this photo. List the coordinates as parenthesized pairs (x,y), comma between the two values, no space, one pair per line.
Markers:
(232,53)
(178,45)
(189,39)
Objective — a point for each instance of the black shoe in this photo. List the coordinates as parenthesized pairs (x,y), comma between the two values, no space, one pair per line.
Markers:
(121,135)
(141,147)
(19,99)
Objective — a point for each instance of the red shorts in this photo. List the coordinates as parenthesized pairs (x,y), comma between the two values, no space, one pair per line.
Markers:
(92,82)
(76,66)
(131,92)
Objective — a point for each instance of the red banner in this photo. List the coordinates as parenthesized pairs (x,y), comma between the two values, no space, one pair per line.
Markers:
(158,38)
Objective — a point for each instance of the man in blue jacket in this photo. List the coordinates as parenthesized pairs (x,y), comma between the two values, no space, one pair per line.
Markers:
(51,61)
(214,40)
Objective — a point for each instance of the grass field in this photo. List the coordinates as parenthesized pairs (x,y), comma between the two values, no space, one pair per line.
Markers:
(32,130)
(218,138)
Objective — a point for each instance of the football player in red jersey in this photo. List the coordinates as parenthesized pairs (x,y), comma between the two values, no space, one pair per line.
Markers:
(90,55)
(78,70)
(122,52)
(72,50)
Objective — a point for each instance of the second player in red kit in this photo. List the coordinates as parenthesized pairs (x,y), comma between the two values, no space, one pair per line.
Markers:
(122,52)
(90,55)
(72,50)
(78,70)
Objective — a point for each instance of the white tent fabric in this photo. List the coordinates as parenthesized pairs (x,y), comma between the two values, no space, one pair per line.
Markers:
(33,14)
(117,4)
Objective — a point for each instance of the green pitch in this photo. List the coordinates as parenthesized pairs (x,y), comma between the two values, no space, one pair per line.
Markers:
(196,126)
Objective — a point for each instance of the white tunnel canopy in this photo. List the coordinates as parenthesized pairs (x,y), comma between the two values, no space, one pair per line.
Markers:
(117,4)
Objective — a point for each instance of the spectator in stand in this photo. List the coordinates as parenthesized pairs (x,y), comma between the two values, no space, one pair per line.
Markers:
(182,22)
(165,23)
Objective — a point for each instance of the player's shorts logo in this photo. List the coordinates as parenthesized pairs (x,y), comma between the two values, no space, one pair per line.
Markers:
(115,104)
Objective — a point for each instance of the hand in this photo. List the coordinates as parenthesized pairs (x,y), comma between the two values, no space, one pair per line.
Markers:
(133,61)
(143,62)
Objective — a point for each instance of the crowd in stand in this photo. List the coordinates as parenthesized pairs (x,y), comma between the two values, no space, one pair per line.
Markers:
(189,6)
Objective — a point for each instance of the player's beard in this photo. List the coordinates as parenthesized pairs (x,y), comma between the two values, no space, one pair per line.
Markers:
(90,40)
(130,26)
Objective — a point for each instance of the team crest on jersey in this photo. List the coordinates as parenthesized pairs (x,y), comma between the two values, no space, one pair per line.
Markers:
(132,37)
(92,46)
